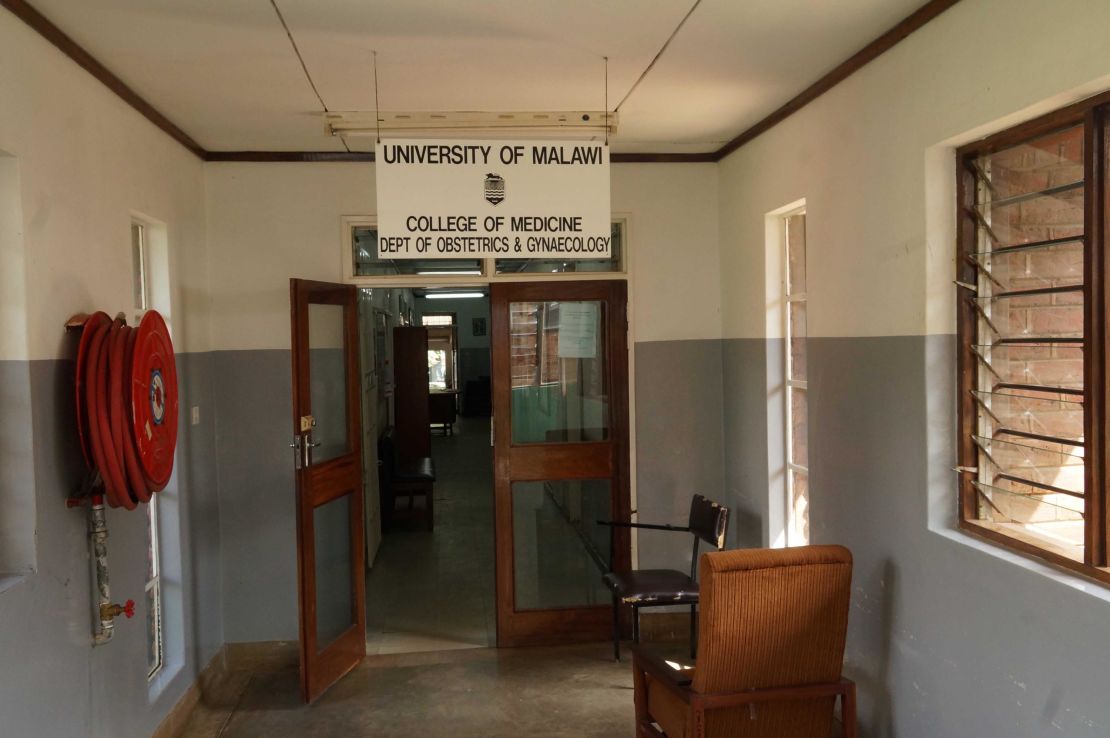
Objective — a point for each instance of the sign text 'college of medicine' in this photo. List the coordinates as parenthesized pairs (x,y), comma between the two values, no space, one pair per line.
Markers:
(442,199)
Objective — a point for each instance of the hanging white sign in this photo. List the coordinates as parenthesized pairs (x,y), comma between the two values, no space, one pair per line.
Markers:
(455,199)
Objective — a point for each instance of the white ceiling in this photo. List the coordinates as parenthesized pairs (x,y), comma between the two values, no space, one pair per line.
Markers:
(224,70)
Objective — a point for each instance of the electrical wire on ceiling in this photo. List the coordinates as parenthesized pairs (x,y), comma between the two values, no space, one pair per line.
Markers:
(663,48)
(304,66)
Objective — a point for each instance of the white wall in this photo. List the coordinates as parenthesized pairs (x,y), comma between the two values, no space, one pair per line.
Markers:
(269,222)
(949,637)
(86,162)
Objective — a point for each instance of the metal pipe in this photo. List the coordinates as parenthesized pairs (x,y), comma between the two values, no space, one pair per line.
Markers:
(98,541)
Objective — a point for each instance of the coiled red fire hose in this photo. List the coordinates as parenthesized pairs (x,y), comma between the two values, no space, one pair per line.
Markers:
(126,392)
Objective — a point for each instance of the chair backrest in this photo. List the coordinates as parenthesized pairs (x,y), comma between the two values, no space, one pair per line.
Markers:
(708,520)
(772,618)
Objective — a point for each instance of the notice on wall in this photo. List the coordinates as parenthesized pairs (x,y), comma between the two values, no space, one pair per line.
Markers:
(474,199)
(578,334)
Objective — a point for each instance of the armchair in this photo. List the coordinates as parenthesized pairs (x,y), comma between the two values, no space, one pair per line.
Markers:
(772,626)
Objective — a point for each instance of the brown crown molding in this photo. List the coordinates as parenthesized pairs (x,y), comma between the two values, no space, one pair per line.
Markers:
(42,25)
(853,64)
(38,22)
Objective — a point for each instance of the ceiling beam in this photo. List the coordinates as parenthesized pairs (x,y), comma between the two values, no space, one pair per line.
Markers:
(38,22)
(42,25)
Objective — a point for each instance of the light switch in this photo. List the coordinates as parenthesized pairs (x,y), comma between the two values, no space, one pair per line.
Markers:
(195,415)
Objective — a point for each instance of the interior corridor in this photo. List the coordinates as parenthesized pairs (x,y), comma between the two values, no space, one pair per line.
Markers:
(434,590)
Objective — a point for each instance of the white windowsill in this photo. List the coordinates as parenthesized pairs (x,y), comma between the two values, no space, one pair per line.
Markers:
(1029,563)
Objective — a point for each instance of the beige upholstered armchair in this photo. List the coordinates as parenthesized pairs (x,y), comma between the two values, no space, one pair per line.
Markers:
(771,628)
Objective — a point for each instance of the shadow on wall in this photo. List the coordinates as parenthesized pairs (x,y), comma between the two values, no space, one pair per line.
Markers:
(876,703)
(747,529)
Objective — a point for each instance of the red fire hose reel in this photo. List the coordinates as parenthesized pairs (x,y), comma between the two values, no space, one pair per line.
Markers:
(126,393)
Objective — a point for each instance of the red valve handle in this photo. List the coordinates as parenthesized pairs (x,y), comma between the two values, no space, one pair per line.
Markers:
(129,609)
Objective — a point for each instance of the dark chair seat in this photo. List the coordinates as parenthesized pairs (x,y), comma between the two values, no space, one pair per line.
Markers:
(655,586)
(640,588)
(416,470)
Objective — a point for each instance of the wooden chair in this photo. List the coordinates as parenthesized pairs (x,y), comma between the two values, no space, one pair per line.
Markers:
(401,478)
(773,624)
(659,587)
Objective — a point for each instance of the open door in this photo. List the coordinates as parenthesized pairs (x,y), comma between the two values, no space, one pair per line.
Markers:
(328,458)
(561,459)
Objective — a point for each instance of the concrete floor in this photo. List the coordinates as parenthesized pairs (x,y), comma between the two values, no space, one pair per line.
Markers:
(431,669)
(552,691)
(433,591)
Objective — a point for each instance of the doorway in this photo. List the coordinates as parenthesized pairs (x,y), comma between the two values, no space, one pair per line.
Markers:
(506,549)
(426,367)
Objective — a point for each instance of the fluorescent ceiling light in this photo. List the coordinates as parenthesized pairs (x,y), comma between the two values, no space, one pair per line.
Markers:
(447,273)
(453,295)
(567,123)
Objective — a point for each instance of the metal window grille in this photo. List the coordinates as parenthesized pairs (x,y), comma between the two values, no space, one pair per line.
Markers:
(1029,340)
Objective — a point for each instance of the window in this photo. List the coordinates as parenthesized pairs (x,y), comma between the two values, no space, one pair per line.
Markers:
(141,275)
(558,266)
(797,387)
(361,259)
(140,266)
(1031,315)
(428,319)
(364,242)
(153,589)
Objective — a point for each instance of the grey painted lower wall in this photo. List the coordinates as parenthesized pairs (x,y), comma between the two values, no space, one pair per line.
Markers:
(17,472)
(679,441)
(947,638)
(258,511)
(744,376)
(53,682)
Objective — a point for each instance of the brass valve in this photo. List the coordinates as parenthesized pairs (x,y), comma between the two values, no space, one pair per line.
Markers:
(108,612)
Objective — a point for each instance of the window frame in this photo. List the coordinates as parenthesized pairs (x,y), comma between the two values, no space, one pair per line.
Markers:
(152,587)
(794,536)
(1094,114)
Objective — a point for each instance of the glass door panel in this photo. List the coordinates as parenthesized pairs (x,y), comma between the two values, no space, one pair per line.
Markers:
(327,373)
(559,550)
(335,611)
(560,390)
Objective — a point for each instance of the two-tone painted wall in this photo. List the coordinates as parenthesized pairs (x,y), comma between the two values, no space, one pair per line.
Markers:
(948,636)
(270,222)
(76,164)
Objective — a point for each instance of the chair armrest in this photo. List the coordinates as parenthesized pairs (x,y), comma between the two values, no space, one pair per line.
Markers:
(650,526)
(653,663)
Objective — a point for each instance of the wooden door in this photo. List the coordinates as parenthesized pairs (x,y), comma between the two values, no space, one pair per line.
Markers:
(410,394)
(561,458)
(328,458)
(370,377)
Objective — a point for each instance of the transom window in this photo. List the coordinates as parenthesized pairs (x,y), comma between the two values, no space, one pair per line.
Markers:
(363,260)
(1031,316)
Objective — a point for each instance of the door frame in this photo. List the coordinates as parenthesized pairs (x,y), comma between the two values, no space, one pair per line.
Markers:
(564,625)
(316,485)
